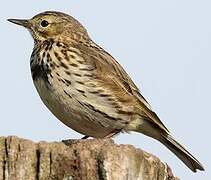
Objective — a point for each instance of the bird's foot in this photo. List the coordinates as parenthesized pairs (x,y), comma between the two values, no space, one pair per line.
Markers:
(71,141)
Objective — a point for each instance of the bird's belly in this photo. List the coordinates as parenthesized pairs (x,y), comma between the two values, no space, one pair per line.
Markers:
(69,111)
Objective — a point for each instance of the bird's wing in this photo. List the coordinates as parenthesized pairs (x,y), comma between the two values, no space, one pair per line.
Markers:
(112,76)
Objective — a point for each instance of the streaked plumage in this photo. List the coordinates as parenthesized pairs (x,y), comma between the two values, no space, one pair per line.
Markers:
(86,88)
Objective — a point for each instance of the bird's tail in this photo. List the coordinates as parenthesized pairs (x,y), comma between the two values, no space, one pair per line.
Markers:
(189,160)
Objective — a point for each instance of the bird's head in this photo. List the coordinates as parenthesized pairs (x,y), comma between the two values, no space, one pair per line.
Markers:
(52,25)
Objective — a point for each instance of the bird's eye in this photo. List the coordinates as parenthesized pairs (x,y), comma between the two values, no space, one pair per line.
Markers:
(44,23)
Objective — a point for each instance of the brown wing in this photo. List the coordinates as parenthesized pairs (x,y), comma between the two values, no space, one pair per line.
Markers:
(111,75)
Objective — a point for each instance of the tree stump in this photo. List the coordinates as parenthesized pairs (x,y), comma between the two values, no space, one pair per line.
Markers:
(92,159)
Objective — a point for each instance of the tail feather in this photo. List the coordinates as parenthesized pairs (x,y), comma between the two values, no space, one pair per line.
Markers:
(189,160)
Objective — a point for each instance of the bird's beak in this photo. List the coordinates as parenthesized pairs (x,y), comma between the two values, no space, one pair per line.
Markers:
(21,22)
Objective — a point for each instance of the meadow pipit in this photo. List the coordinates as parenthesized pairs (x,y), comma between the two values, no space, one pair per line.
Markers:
(86,88)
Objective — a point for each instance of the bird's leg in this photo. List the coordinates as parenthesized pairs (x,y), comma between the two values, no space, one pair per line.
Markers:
(112,133)
(85,137)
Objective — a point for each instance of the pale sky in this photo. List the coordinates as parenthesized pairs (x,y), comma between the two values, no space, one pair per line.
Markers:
(164,45)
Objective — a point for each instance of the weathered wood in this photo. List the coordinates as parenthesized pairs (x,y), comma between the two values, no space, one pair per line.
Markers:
(93,159)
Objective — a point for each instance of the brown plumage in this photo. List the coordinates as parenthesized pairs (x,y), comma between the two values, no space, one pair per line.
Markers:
(86,88)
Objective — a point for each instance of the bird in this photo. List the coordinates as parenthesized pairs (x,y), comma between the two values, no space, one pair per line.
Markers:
(86,88)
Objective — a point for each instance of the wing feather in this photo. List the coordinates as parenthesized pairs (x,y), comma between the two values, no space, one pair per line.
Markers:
(111,75)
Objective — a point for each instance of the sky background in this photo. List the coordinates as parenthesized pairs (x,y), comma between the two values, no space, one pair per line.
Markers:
(164,45)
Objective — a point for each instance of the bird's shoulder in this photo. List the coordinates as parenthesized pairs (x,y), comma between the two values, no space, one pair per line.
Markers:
(109,72)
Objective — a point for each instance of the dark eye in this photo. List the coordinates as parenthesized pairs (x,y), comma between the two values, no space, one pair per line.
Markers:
(44,23)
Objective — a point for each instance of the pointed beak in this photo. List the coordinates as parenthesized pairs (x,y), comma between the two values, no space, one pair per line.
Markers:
(21,22)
